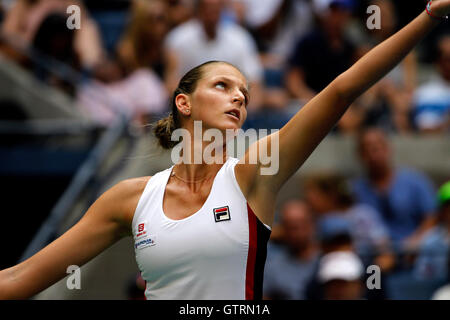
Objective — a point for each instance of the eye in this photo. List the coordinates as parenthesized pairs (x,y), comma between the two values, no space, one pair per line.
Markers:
(221,85)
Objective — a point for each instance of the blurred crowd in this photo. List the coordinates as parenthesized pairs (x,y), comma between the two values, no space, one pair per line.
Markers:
(340,235)
(128,56)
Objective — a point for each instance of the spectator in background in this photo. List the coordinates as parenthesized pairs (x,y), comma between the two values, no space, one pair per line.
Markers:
(142,43)
(432,262)
(25,17)
(330,197)
(432,99)
(387,103)
(205,38)
(134,84)
(290,268)
(341,275)
(236,11)
(55,40)
(323,54)
(404,197)
(334,235)
(274,24)
(139,96)
(179,11)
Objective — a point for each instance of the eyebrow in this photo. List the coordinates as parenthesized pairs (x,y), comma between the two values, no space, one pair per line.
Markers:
(243,89)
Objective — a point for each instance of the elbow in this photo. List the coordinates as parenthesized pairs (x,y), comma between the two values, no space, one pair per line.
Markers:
(345,89)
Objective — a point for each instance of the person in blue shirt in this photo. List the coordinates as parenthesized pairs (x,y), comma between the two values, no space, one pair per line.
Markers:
(332,200)
(432,262)
(290,265)
(404,197)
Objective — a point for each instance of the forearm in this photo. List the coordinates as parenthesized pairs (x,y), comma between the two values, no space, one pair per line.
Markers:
(383,58)
(4,280)
(426,225)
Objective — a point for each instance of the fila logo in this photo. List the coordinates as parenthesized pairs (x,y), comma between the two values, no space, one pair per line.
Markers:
(222,214)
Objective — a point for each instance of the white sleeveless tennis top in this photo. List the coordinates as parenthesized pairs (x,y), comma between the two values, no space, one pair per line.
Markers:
(217,253)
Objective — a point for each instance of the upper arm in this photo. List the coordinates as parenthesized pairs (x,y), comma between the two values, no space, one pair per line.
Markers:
(105,222)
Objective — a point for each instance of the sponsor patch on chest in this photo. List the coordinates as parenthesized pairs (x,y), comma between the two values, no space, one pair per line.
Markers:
(144,242)
(222,214)
(141,230)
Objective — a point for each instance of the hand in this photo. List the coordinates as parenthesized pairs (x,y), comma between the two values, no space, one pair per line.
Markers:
(412,243)
(440,8)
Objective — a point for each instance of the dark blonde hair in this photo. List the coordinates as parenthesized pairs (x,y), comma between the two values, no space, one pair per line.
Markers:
(164,128)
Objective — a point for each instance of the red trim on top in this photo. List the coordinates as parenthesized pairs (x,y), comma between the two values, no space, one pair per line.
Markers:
(251,257)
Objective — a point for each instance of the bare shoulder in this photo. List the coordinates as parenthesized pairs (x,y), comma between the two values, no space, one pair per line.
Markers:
(132,185)
(124,197)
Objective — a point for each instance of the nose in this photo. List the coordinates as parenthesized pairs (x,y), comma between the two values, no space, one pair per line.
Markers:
(238,97)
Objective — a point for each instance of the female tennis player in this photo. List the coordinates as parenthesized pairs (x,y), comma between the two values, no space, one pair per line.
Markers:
(200,230)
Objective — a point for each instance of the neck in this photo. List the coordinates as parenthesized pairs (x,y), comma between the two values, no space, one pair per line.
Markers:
(194,150)
(199,162)
(210,30)
(304,252)
(381,177)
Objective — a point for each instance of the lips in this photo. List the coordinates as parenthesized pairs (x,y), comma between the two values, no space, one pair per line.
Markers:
(235,113)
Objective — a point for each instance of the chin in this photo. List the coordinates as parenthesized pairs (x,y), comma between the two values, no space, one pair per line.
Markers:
(226,125)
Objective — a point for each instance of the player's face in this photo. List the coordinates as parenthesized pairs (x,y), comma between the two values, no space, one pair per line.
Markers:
(220,98)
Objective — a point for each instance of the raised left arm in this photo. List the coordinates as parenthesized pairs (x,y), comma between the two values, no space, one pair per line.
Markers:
(301,135)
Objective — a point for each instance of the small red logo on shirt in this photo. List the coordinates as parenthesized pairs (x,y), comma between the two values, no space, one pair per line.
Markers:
(141,230)
(222,214)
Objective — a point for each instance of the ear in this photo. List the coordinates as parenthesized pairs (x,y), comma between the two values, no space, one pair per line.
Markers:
(182,102)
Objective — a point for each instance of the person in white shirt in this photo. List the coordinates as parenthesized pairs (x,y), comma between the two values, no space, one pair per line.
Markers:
(432,100)
(206,37)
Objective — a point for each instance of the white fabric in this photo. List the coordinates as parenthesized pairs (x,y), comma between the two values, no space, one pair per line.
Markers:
(433,103)
(340,265)
(442,293)
(232,44)
(196,257)
(258,12)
